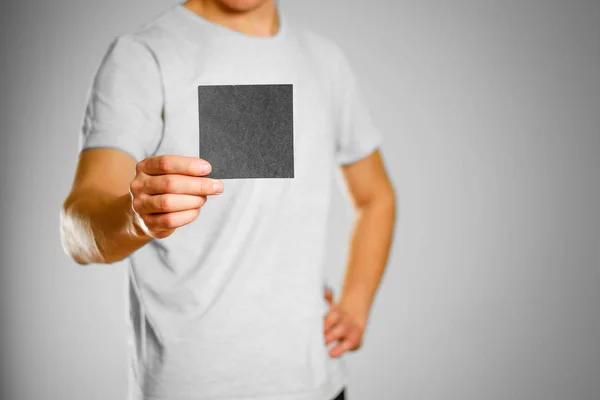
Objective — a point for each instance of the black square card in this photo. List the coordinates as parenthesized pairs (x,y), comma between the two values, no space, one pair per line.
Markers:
(247,131)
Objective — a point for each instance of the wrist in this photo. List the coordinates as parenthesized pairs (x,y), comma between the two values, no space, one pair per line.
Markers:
(357,306)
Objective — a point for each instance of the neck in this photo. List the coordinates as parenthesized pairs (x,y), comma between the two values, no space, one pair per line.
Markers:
(260,21)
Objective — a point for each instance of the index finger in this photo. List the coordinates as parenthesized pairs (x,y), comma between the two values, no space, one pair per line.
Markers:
(331,319)
(174,164)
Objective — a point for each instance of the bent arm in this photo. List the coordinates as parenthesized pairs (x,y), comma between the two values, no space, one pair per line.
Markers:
(98,224)
(374,201)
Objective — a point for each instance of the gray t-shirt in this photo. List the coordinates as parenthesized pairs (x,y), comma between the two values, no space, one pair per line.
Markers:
(231,306)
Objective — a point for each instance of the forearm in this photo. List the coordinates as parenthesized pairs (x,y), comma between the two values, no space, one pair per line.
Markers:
(368,255)
(100,228)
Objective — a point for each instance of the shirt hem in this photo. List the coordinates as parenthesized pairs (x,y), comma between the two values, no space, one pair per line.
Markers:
(328,391)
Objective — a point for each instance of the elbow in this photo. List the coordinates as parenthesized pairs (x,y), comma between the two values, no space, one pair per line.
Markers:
(79,260)
(67,238)
(387,197)
(386,203)
(392,200)
(76,241)
(383,201)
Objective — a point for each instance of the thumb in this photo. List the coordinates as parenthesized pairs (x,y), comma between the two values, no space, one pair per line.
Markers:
(328,295)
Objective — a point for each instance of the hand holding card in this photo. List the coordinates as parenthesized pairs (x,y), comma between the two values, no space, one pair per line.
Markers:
(168,192)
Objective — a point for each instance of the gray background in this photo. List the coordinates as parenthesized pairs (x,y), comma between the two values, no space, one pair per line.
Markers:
(491,116)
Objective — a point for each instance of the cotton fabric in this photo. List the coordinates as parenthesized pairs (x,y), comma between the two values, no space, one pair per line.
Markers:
(231,306)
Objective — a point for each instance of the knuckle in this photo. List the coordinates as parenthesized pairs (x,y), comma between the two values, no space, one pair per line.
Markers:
(189,165)
(135,186)
(169,184)
(164,163)
(170,221)
(139,167)
(136,203)
(150,221)
(161,234)
(164,202)
(145,185)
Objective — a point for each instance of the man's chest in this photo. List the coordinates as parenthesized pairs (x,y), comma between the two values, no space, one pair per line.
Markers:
(312,110)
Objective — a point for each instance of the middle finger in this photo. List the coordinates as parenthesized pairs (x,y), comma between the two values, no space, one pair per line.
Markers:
(336,333)
(331,319)
(162,203)
(182,184)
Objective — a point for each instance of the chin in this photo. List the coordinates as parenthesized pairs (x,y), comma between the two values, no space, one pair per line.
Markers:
(242,5)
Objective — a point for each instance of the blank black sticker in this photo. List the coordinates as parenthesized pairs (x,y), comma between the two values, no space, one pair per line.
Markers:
(247,131)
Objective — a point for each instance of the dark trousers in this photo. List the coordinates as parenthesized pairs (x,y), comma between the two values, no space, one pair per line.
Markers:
(341,396)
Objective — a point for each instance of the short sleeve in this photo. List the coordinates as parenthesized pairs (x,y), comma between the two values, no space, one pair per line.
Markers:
(125,101)
(356,135)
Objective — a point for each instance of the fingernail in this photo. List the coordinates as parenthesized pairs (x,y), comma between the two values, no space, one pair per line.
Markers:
(205,167)
(217,186)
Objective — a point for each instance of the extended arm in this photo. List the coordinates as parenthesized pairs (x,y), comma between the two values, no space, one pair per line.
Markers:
(97,220)
(117,205)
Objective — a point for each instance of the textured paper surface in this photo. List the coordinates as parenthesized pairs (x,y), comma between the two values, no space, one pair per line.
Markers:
(246,131)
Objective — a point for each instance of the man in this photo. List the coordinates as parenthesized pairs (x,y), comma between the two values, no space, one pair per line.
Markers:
(226,278)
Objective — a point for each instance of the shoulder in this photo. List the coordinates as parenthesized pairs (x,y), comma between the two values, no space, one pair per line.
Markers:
(327,55)
(153,34)
(319,45)
(148,45)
